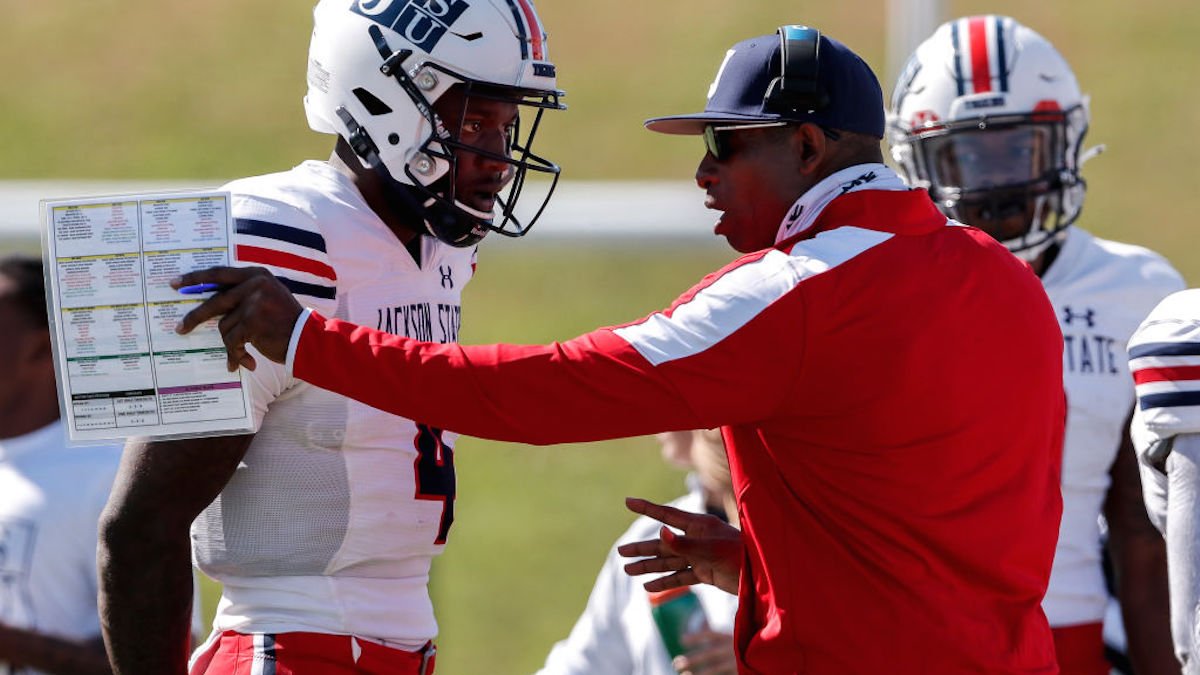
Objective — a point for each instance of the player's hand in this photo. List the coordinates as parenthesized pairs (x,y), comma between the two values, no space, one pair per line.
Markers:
(709,551)
(709,652)
(257,309)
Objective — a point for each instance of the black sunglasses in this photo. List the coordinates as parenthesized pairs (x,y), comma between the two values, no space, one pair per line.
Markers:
(719,148)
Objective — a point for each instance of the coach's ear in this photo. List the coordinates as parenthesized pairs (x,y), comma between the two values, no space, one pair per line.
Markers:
(809,147)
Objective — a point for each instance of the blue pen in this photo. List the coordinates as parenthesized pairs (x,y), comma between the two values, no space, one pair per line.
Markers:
(199,288)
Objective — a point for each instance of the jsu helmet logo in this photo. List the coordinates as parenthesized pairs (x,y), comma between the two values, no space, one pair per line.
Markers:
(421,22)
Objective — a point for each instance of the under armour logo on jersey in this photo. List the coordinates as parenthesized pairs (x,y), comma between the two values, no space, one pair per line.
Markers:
(861,180)
(1089,316)
(422,22)
(447,276)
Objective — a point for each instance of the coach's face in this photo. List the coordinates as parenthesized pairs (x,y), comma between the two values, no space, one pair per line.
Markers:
(753,184)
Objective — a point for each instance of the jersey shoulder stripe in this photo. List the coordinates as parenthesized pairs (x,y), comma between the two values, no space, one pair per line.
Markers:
(296,256)
(1169,400)
(302,288)
(725,304)
(1166,374)
(1164,359)
(1164,349)
(267,256)
(291,235)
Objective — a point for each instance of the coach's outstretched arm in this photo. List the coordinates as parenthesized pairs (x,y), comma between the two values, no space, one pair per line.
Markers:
(715,358)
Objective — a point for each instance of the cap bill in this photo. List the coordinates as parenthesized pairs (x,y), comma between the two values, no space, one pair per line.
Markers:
(693,124)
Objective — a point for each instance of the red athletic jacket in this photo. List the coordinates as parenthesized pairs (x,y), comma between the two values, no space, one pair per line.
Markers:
(891,392)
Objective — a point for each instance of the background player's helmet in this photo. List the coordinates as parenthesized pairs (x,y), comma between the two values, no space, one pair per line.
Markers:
(989,118)
(375,69)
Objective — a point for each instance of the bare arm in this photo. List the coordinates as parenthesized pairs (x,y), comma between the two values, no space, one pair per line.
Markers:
(144,553)
(23,648)
(1140,560)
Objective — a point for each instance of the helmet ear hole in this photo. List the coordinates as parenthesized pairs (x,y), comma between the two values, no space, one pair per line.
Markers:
(371,102)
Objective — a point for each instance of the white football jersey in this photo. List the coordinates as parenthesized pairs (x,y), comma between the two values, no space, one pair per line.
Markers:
(331,521)
(1100,290)
(1165,359)
(51,496)
(616,634)
(1164,355)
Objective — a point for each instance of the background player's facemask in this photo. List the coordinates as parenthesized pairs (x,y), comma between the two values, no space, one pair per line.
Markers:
(1004,175)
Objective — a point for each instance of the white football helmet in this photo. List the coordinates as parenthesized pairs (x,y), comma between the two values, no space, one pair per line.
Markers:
(989,118)
(376,67)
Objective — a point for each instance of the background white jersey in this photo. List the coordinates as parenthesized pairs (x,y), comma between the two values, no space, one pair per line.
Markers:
(1165,359)
(51,497)
(1100,290)
(331,521)
(616,634)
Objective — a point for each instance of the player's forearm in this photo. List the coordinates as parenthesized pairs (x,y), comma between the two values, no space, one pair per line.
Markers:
(145,599)
(46,653)
(1143,594)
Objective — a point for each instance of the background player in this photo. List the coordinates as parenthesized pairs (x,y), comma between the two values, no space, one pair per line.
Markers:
(988,116)
(50,499)
(616,635)
(1163,356)
(321,526)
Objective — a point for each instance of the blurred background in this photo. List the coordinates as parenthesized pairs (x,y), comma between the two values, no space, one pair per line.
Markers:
(194,94)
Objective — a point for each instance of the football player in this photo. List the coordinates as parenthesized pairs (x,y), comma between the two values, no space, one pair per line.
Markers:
(988,117)
(321,525)
(1164,354)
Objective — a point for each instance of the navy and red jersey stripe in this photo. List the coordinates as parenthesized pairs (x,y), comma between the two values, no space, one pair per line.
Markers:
(282,262)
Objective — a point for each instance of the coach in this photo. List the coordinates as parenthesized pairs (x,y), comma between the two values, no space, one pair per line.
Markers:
(889,384)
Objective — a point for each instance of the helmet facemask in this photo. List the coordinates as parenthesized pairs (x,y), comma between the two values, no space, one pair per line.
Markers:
(1014,176)
(441,198)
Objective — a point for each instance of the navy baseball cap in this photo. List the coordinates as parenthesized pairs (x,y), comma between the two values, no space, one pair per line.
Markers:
(852,98)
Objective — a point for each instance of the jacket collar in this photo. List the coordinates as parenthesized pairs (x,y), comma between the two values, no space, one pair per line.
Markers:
(869,196)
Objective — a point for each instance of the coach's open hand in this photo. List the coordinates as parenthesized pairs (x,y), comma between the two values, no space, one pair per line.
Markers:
(710,551)
(258,310)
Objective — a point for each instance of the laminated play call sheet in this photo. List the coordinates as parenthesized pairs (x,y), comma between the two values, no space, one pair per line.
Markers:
(122,369)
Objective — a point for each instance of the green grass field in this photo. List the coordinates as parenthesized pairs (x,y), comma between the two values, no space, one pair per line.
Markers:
(207,91)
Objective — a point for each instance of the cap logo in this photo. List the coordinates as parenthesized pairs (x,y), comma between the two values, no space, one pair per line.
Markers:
(712,88)
(421,22)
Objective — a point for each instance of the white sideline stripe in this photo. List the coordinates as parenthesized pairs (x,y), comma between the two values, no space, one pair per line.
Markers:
(741,294)
(1167,387)
(1144,362)
(579,209)
(258,663)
